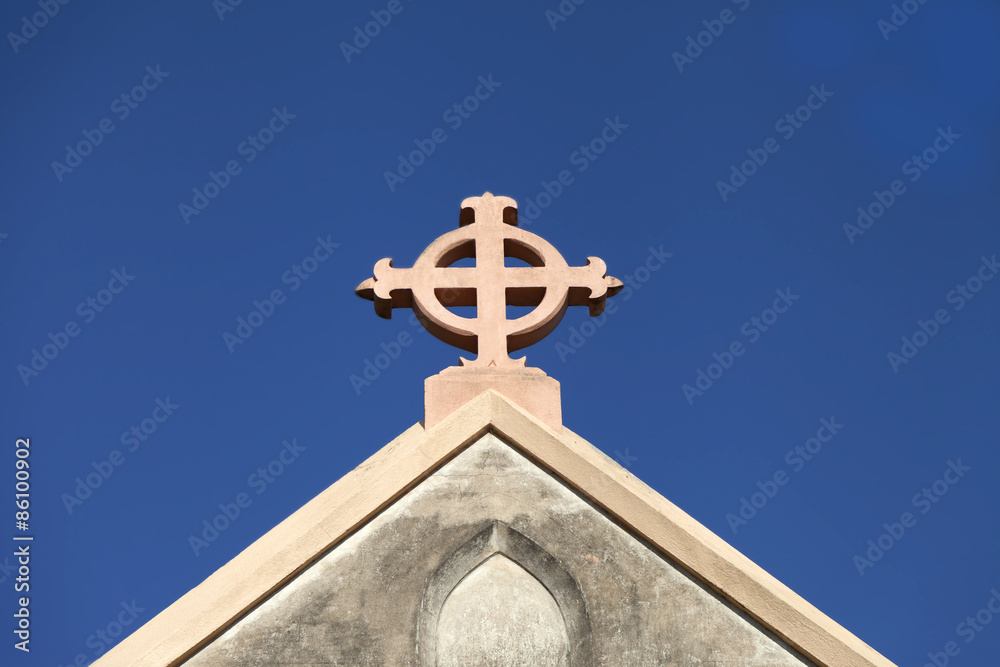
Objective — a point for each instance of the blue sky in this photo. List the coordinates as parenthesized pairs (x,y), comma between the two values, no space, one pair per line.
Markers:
(175,163)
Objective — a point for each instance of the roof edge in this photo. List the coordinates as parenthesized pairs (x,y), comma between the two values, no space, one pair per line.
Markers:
(209,609)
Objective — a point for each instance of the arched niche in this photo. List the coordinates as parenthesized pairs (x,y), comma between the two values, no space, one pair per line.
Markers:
(500,566)
(501,615)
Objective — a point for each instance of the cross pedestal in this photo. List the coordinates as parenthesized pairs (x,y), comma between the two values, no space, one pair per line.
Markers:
(529,387)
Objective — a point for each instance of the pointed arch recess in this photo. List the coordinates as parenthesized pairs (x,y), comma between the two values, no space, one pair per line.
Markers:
(499,538)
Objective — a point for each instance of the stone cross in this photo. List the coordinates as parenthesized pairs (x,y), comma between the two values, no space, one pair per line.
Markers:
(488,232)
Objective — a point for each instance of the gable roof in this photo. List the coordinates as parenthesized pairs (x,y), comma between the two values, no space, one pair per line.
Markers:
(264,567)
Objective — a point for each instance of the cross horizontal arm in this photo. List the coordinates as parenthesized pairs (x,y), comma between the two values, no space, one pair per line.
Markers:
(393,287)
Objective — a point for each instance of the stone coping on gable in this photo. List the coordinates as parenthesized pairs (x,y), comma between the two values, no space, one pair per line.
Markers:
(179,631)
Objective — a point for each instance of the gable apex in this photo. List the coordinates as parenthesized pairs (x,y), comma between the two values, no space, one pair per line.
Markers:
(332,516)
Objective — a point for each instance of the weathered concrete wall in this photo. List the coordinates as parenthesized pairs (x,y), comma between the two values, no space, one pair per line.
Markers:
(492,561)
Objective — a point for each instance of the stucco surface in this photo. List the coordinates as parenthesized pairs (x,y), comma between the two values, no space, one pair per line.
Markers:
(404,587)
(500,614)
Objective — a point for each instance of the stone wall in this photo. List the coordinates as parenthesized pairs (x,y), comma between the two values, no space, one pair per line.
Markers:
(493,561)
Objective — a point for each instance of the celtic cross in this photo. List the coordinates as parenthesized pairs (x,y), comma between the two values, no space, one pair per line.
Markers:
(488,233)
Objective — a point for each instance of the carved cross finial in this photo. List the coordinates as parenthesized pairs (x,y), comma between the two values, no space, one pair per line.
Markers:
(488,232)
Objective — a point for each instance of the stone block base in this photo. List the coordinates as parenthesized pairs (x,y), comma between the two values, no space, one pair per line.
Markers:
(530,388)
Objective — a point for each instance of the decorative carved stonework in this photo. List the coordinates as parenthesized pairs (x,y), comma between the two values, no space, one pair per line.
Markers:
(488,232)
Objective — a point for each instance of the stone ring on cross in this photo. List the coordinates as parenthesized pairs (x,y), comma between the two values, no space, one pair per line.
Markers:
(488,233)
